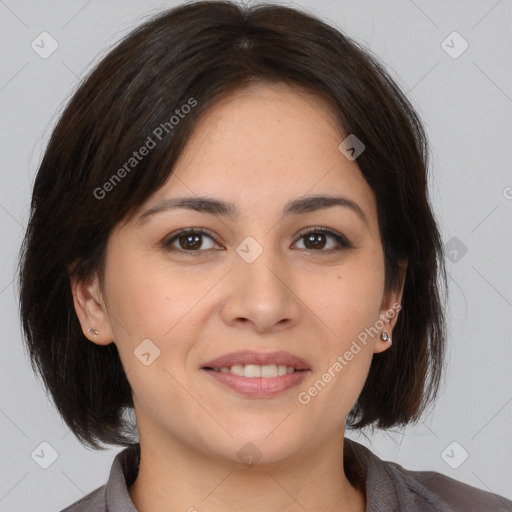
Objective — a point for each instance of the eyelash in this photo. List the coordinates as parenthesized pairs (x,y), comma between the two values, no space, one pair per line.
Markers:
(340,239)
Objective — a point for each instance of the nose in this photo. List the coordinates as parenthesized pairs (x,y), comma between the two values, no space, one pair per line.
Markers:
(260,295)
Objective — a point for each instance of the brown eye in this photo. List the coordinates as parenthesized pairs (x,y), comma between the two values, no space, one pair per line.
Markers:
(316,239)
(190,241)
(187,240)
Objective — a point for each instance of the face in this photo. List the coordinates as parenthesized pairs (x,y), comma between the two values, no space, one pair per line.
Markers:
(307,282)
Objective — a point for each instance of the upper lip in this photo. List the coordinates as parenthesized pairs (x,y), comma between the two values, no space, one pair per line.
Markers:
(244,357)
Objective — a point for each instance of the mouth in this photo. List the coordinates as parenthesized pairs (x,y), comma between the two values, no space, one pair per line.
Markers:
(251,371)
(256,374)
(252,364)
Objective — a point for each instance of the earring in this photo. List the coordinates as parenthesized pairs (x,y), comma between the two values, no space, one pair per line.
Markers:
(95,332)
(384,336)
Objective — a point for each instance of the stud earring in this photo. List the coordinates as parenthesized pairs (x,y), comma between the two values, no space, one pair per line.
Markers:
(384,336)
(95,332)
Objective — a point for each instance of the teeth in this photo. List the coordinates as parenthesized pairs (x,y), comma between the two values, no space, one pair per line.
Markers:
(282,369)
(254,370)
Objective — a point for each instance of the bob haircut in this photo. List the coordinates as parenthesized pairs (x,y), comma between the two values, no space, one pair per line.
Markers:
(193,55)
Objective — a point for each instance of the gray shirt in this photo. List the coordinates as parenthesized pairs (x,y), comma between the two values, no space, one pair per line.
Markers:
(389,487)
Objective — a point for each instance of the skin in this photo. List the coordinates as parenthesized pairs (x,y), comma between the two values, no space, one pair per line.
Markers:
(258,148)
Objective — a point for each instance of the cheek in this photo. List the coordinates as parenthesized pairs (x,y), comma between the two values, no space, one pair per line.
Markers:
(347,347)
(149,299)
(348,301)
(347,305)
(155,301)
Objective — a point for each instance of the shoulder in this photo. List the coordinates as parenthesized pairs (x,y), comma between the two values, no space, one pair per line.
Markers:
(93,502)
(430,490)
(390,486)
(113,496)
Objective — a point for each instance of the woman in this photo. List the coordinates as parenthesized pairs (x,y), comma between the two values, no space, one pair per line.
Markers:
(231,235)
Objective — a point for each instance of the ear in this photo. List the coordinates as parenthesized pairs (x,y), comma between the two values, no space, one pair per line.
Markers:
(91,310)
(389,311)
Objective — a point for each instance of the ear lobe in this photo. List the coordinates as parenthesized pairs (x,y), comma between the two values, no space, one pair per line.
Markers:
(90,310)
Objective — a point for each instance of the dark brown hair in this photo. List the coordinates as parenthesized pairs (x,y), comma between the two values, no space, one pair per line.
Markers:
(199,52)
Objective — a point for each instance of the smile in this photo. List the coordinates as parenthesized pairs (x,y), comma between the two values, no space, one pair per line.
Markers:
(256,370)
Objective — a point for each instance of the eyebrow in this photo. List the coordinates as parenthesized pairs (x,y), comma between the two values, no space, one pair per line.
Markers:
(221,208)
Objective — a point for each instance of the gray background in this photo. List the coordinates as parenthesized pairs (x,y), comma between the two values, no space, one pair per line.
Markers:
(466,105)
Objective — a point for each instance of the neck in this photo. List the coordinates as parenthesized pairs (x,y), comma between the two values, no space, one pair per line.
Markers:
(175,476)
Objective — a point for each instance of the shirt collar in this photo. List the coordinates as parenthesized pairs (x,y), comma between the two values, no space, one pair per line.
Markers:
(123,473)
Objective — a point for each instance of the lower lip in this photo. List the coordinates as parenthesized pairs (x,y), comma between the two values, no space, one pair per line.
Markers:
(259,387)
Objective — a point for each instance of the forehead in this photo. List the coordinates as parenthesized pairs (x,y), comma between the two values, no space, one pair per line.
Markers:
(266,145)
